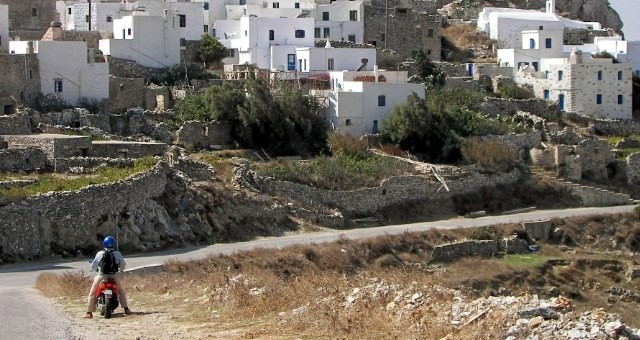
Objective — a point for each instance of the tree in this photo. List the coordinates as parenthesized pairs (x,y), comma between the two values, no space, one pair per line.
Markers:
(429,72)
(211,50)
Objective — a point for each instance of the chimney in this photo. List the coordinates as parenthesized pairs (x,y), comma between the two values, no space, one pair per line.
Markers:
(54,33)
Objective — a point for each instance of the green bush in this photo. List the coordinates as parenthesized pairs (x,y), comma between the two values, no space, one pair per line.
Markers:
(50,103)
(515,92)
(178,74)
(490,155)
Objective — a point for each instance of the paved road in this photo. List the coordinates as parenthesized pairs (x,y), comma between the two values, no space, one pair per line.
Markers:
(26,315)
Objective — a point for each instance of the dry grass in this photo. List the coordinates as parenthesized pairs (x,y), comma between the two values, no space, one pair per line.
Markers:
(304,291)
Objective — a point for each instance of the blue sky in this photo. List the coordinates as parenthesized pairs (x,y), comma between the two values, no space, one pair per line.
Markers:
(628,10)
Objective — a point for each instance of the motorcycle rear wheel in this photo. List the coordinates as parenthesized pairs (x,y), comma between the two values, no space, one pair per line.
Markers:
(108,308)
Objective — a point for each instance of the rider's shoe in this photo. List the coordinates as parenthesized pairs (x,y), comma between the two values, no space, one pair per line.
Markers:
(127,311)
(89,315)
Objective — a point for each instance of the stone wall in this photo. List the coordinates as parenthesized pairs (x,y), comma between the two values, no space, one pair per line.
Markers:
(18,124)
(195,170)
(624,128)
(157,98)
(53,146)
(195,135)
(509,107)
(365,202)
(27,24)
(125,93)
(453,69)
(65,164)
(28,159)
(462,83)
(491,70)
(515,245)
(412,25)
(524,141)
(633,168)
(130,69)
(91,37)
(20,80)
(67,220)
(122,149)
(538,230)
(453,251)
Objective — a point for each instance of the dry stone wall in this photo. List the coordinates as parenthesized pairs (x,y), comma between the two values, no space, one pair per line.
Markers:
(194,170)
(28,159)
(364,202)
(195,135)
(624,128)
(20,79)
(120,149)
(67,220)
(18,124)
(65,164)
(633,168)
(453,251)
(130,69)
(509,107)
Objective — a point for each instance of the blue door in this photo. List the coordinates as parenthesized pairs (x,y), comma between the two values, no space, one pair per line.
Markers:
(470,70)
(291,62)
(561,101)
(546,94)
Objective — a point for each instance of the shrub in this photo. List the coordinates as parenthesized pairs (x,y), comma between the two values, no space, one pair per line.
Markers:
(93,105)
(178,74)
(515,92)
(50,103)
(349,146)
(490,155)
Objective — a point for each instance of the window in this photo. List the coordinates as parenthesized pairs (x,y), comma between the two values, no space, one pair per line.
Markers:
(598,99)
(619,99)
(325,16)
(561,101)
(305,64)
(30,74)
(291,62)
(353,15)
(299,34)
(86,18)
(128,31)
(317,32)
(547,42)
(271,35)
(69,10)
(414,54)
(382,36)
(430,33)
(540,28)
(205,6)
(109,19)
(57,85)
(183,20)
(276,5)
(245,33)
(231,52)
(560,75)
(375,127)
(296,5)
(546,94)
(330,64)
(532,44)
(599,75)
(382,100)
(428,52)
(619,75)
(326,32)
(206,29)
(347,122)
(242,2)
(34,12)
(352,38)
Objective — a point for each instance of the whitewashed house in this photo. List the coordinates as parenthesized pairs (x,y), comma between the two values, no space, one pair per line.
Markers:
(255,40)
(74,14)
(594,87)
(322,59)
(340,21)
(4,27)
(67,69)
(505,24)
(152,41)
(624,51)
(359,101)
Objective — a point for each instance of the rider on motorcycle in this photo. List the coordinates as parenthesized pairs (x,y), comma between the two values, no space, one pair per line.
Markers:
(109,244)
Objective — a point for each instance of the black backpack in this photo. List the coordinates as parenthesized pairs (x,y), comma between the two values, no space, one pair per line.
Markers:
(108,264)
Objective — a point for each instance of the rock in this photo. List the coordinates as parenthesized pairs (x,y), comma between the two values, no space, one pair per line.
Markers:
(535,322)
(545,312)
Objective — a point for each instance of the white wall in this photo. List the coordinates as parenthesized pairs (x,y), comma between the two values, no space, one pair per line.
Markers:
(354,105)
(99,14)
(4,27)
(339,24)
(154,41)
(80,77)
(193,12)
(343,58)
(633,55)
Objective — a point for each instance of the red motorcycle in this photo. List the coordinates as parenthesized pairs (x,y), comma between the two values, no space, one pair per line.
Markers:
(107,295)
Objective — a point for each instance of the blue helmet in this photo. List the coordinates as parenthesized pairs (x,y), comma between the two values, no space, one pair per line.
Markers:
(109,242)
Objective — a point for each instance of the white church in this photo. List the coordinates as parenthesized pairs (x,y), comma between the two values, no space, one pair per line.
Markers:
(506,24)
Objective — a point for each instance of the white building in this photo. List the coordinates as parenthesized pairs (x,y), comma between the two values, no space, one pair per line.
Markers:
(360,101)
(340,21)
(74,14)
(321,59)
(256,39)
(73,77)
(593,87)
(152,41)
(505,24)
(624,51)
(4,27)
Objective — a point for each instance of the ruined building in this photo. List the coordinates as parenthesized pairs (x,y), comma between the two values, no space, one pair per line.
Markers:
(29,20)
